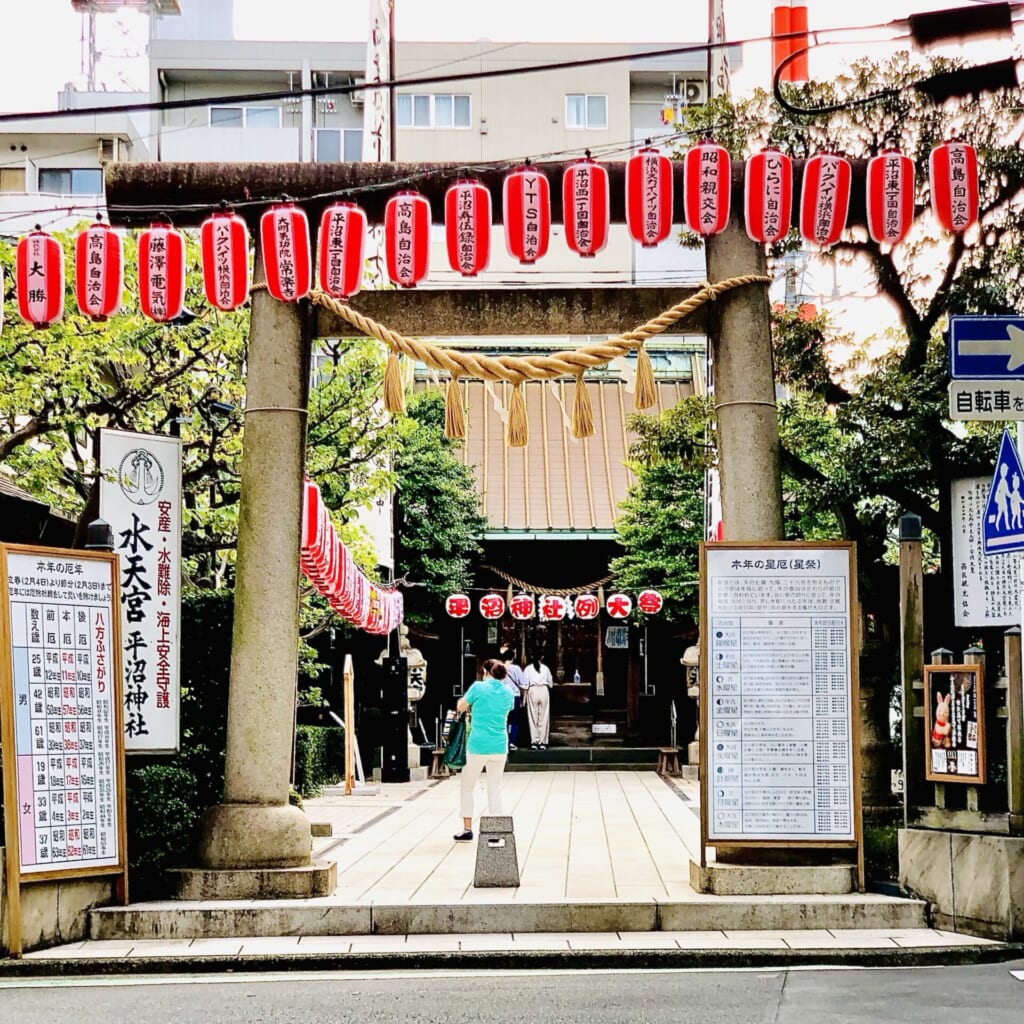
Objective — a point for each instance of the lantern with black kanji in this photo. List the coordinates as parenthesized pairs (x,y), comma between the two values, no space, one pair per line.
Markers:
(953,175)
(407,238)
(457,605)
(285,247)
(585,206)
(890,196)
(522,607)
(526,211)
(825,198)
(467,227)
(707,184)
(161,272)
(768,196)
(619,606)
(99,271)
(224,251)
(39,278)
(649,196)
(341,247)
(492,606)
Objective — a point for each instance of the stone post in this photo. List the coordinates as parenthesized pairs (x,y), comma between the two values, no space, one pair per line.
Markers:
(911,661)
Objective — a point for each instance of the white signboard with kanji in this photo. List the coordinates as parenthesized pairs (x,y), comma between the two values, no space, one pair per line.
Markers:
(780,693)
(140,497)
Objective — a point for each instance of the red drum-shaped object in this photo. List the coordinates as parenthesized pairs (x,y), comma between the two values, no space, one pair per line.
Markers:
(284,240)
(522,606)
(890,198)
(825,198)
(224,249)
(649,196)
(619,606)
(526,209)
(586,606)
(768,196)
(310,518)
(342,246)
(467,227)
(39,277)
(707,184)
(457,605)
(99,271)
(585,207)
(553,608)
(407,238)
(953,174)
(650,602)
(161,272)
(492,606)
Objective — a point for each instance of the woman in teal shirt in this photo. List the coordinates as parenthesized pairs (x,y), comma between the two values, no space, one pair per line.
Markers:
(490,703)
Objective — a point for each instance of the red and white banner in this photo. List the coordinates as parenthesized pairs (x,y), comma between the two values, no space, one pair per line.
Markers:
(39,276)
(953,175)
(890,196)
(526,211)
(284,241)
(342,245)
(224,250)
(825,198)
(99,271)
(707,187)
(649,196)
(467,226)
(585,207)
(768,196)
(161,273)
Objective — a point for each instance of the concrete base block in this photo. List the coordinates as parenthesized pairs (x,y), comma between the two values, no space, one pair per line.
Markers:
(497,866)
(774,880)
(974,883)
(690,772)
(247,836)
(311,880)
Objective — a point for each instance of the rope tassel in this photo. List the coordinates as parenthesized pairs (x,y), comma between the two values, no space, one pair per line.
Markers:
(454,410)
(394,390)
(646,393)
(582,411)
(518,424)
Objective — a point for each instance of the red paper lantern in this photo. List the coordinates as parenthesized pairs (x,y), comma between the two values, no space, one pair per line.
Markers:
(467,226)
(224,250)
(586,606)
(522,607)
(526,211)
(99,271)
(585,206)
(953,175)
(553,608)
(768,196)
(707,187)
(39,276)
(407,238)
(161,272)
(619,606)
(492,606)
(650,602)
(341,248)
(649,196)
(284,242)
(825,198)
(457,605)
(890,188)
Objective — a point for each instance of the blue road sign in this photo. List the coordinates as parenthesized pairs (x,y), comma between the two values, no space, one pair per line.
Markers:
(986,347)
(1004,512)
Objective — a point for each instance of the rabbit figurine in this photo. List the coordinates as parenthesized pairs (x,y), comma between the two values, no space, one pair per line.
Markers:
(941,728)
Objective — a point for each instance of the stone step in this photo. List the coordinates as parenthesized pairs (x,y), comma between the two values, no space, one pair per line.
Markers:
(270,918)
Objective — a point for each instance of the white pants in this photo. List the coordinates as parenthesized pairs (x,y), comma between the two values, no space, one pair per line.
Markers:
(538,707)
(475,764)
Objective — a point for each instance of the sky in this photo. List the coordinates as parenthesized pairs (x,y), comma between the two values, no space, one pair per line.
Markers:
(41,41)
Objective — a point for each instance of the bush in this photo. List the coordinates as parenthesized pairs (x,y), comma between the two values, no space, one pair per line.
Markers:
(319,757)
(881,853)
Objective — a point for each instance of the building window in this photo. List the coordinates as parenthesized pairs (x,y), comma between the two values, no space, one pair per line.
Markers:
(245,117)
(336,144)
(586,110)
(71,181)
(12,179)
(434,110)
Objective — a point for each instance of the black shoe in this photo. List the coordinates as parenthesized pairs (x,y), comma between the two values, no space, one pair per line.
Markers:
(464,837)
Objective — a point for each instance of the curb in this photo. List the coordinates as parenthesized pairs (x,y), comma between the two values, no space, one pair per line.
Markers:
(582,960)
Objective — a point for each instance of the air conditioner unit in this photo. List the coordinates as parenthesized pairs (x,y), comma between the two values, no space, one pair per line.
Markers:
(357,98)
(108,150)
(695,92)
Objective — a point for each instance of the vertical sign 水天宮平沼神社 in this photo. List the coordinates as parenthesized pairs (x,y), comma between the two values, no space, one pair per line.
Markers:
(140,497)
(780,695)
(954,720)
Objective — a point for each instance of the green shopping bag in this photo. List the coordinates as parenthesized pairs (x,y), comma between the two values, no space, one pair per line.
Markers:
(458,737)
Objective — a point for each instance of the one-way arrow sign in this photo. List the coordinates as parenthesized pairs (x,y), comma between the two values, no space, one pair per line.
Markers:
(1003,528)
(986,347)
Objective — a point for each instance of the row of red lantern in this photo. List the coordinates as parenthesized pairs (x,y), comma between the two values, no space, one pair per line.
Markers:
(553,607)
(330,567)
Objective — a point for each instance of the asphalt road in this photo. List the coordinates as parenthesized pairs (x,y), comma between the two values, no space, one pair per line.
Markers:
(936,995)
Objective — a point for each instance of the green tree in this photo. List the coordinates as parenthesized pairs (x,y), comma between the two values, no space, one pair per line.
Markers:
(438,523)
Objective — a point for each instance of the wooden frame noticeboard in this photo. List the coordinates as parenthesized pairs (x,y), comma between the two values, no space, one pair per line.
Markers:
(61,709)
(779,709)
(954,724)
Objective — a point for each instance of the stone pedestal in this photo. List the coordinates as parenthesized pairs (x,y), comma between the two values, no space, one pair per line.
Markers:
(319,878)
(773,880)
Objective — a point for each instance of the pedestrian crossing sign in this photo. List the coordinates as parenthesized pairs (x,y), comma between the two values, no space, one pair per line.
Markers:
(1004,512)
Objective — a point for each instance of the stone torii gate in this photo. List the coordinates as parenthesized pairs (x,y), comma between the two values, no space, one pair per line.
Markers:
(254,828)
